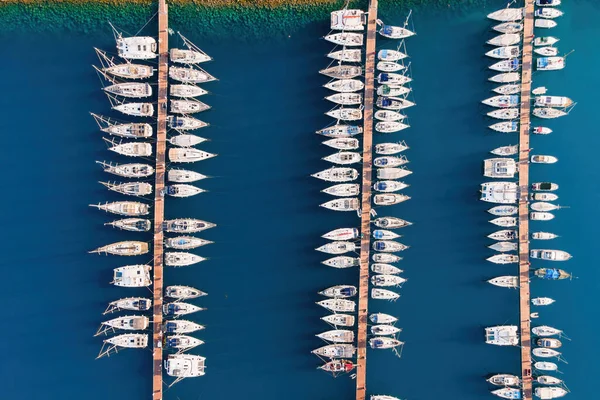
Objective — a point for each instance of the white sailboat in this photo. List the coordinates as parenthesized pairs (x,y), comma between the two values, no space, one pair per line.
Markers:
(131,170)
(181,259)
(393,91)
(507,14)
(392,173)
(345,85)
(184,176)
(346,38)
(503,235)
(339,291)
(346,99)
(135,90)
(505,281)
(389,161)
(387,115)
(342,143)
(337,336)
(542,301)
(127,70)
(545,366)
(504,246)
(390,148)
(182,190)
(135,109)
(388,246)
(385,269)
(127,208)
(503,210)
(186,225)
(190,75)
(508,27)
(506,150)
(387,280)
(131,224)
(188,106)
(389,186)
(384,294)
(393,32)
(384,343)
(385,258)
(381,318)
(390,55)
(339,319)
(506,77)
(185,242)
(179,326)
(384,330)
(390,223)
(547,51)
(392,79)
(188,155)
(127,323)
(178,308)
(506,39)
(338,305)
(124,130)
(337,174)
(541,216)
(541,41)
(389,66)
(390,126)
(504,52)
(343,190)
(337,247)
(186,140)
(504,221)
(342,71)
(342,234)
(186,91)
(340,350)
(512,88)
(504,259)
(505,126)
(504,113)
(346,114)
(184,123)
(346,55)
(182,342)
(342,204)
(127,341)
(543,206)
(191,55)
(341,262)
(181,292)
(543,235)
(130,149)
(340,131)
(128,304)
(388,199)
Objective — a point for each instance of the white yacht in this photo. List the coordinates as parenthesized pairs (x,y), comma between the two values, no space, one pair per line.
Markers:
(129,188)
(387,280)
(341,262)
(346,99)
(389,66)
(186,91)
(385,269)
(502,101)
(337,336)
(541,41)
(384,294)
(543,206)
(185,242)
(346,39)
(504,113)
(127,323)
(553,101)
(499,192)
(393,103)
(504,52)
(505,281)
(346,114)
(383,342)
(184,123)
(339,319)
(127,340)
(135,109)
(131,170)
(387,115)
(337,247)
(342,71)
(341,350)
(504,259)
(190,75)
(544,23)
(550,255)
(544,186)
(506,77)
(184,176)
(127,70)
(180,292)
(128,304)
(547,3)
(124,248)
(504,380)
(132,276)
(186,140)
(338,305)
(182,366)
(551,392)
(548,380)
(541,130)
(186,225)
(337,174)
(541,216)
(134,90)
(191,55)
(505,127)
(342,234)
(381,318)
(542,301)
(388,199)
(389,161)
(130,149)
(181,259)
(390,126)
(188,155)
(390,148)
(124,130)
(502,335)
(388,246)
(385,258)
(182,342)
(348,20)
(384,330)
(342,204)
(393,91)
(547,51)
(506,150)
(499,168)
(505,221)
(131,224)
(543,352)
(507,14)
(550,63)
(392,173)
(392,79)
(508,27)
(127,208)
(346,55)
(390,223)
(545,330)
(340,131)
(545,366)
(504,235)
(188,106)
(503,211)
(389,186)
(393,32)
(343,190)
(342,143)
(182,190)
(177,308)
(345,85)
(504,246)
(543,235)
(512,88)
(339,291)
(508,393)
(506,39)
(390,55)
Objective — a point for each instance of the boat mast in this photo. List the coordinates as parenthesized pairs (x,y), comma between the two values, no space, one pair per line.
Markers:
(192,46)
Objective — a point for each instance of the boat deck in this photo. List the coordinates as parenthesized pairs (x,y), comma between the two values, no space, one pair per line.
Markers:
(363,288)
(159,204)
(525,129)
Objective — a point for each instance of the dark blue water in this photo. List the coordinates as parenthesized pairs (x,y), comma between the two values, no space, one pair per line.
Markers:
(263,274)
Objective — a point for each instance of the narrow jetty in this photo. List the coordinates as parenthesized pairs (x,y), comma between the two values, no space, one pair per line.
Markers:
(159,203)
(363,288)
(525,129)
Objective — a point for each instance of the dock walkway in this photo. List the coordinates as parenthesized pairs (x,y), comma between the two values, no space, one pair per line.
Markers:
(159,204)
(525,129)
(363,288)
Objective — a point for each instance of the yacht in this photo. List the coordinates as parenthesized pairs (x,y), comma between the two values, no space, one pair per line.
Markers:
(337,336)
(504,259)
(181,259)
(348,20)
(544,186)
(392,173)
(340,131)
(345,85)
(132,276)
(127,340)
(391,223)
(541,41)
(127,323)
(508,89)
(542,301)
(508,393)
(550,255)
(338,305)
(504,246)
(506,77)
(540,130)
(346,99)
(337,247)
(384,330)
(381,318)
(504,380)
(506,39)
(545,366)
(342,71)
(184,176)
(184,123)
(385,258)
(346,114)
(127,208)
(389,66)
(505,234)
(506,65)
(504,52)
(543,352)
(176,309)
(393,91)
(339,291)
(342,143)
(388,199)
(543,206)
(124,130)
(387,115)
(188,106)
(505,127)
(190,75)
(543,235)
(499,192)
(384,343)
(551,392)
(393,103)
(129,188)
(390,55)
(549,343)
(502,101)
(125,248)
(188,155)
(337,174)
(392,79)
(135,90)
(508,27)
(499,168)
(346,55)
(185,242)
(550,63)
(553,101)
(547,51)
(182,190)
(544,23)
(132,170)
(387,280)
(130,149)
(339,319)
(552,274)
(343,190)
(390,126)
(186,225)
(502,335)
(505,221)
(506,150)
(541,216)
(507,14)
(341,262)
(342,204)
(336,351)
(346,39)
(182,342)
(505,281)
(135,109)
(385,269)
(186,140)
(135,47)
(186,91)
(180,292)
(127,70)
(131,224)
(342,234)
(504,113)
(191,55)
(545,330)
(389,186)
(338,366)
(388,246)
(384,294)
(128,304)
(182,366)
(390,148)
(503,211)
(393,32)
(548,380)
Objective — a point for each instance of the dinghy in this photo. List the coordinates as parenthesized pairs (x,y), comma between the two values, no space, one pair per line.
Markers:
(343,190)
(343,158)
(342,143)
(384,294)
(337,247)
(390,148)
(342,204)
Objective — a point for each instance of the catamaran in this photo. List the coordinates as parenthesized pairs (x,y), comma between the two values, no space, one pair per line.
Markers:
(186,225)
(346,55)
(136,47)
(184,123)
(550,63)
(132,276)
(182,366)
(342,143)
(348,20)
(342,234)
(389,186)
(337,247)
(502,335)
(345,85)
(341,262)
(124,248)
(343,190)
(499,192)
(188,155)
(346,38)
(337,174)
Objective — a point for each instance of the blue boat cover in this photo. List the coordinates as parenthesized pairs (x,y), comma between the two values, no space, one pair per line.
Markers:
(544,2)
(383,77)
(377,234)
(170,190)
(354,130)
(385,102)
(170,327)
(551,273)
(386,30)
(381,186)
(542,62)
(379,246)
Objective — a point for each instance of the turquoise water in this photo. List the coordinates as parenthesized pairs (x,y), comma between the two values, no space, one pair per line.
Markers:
(262,276)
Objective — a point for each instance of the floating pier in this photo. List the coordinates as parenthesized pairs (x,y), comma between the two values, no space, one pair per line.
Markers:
(363,287)
(525,129)
(159,204)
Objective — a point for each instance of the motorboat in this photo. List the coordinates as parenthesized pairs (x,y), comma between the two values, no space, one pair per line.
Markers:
(508,27)
(508,89)
(388,246)
(343,158)
(339,319)
(508,393)
(384,343)
(188,155)
(384,330)
(132,276)
(390,126)
(186,225)
(502,101)
(388,199)
(545,366)
(506,39)
(390,55)
(506,150)
(542,41)
(337,336)
(184,176)
(339,291)
(393,103)
(348,20)
(385,269)
(541,130)
(337,174)
(392,79)
(341,262)
(390,223)
(389,66)
(505,281)
(340,350)
(548,13)
(504,113)
(186,90)
(182,342)
(183,292)
(337,247)
(544,23)
(346,39)
(389,161)
(502,335)
(387,115)
(127,208)
(343,190)
(131,224)
(542,159)
(346,99)
(340,131)
(124,248)
(129,188)
(504,246)
(390,148)
(338,366)
(342,143)
(541,216)
(393,91)
(392,173)
(550,63)
(543,206)
(394,32)
(506,77)
(503,211)
(342,234)
(346,114)
(188,106)
(130,149)
(182,366)
(134,90)
(499,168)
(177,308)
(342,71)
(545,330)
(504,259)
(185,140)
(544,186)
(389,186)
(179,326)
(553,101)
(132,170)
(338,305)
(550,255)
(549,343)
(381,318)
(505,127)
(499,192)
(552,274)
(342,204)
(504,380)
(507,14)
(135,109)
(547,51)
(345,85)
(128,304)
(551,392)
(547,3)
(186,242)
(543,235)
(505,221)
(346,55)
(387,280)
(181,259)
(184,123)
(384,294)
(503,235)
(548,380)
(543,352)
(190,75)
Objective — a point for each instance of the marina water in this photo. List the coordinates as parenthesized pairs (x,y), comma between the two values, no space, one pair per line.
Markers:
(263,274)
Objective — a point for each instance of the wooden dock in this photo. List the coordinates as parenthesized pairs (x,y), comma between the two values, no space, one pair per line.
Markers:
(363,287)
(525,129)
(159,203)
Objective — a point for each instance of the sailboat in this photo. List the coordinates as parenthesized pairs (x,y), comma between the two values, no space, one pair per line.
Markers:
(186,225)
(392,173)
(337,366)
(550,255)
(185,242)
(388,199)
(127,340)
(502,101)
(384,294)
(391,223)
(346,99)
(184,123)
(339,319)
(384,343)
(340,350)
(342,234)
(339,291)
(545,41)
(184,176)
(543,206)
(543,235)
(385,269)
(340,131)
(392,79)
(506,39)
(547,51)
(135,90)
(345,85)
(128,323)
(508,393)
(135,109)
(389,66)
(385,258)
(506,150)
(124,248)
(384,330)
(390,148)
(393,103)
(186,90)
(128,304)
(504,259)
(182,342)
(188,106)
(388,246)
(506,77)
(393,32)
(338,305)
(508,89)
(389,186)
(504,113)
(177,308)
(505,126)
(342,204)
(387,115)
(124,130)
(346,114)
(179,326)
(341,262)
(346,38)
(542,301)
(129,188)
(337,336)
(185,140)
(342,143)
(132,170)
(342,71)
(181,259)
(126,70)
(131,224)
(381,318)
(183,292)
(504,246)
(390,55)
(505,281)
(508,27)
(343,190)
(182,190)
(188,155)
(190,75)
(387,280)
(504,380)
(389,161)
(191,55)
(337,174)
(505,234)
(504,52)
(337,247)
(504,221)
(127,208)
(390,126)
(346,55)
(130,149)
(503,210)
(507,14)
